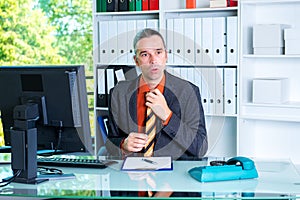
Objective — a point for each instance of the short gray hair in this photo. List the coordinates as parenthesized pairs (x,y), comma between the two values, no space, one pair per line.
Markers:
(145,33)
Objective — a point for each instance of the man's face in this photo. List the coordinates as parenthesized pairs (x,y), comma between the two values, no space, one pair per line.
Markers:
(151,58)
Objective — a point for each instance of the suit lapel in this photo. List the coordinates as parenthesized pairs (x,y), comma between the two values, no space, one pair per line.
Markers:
(131,102)
(169,87)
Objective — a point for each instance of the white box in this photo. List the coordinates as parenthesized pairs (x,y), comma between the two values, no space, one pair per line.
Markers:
(270,90)
(292,47)
(202,4)
(218,3)
(292,34)
(268,50)
(268,35)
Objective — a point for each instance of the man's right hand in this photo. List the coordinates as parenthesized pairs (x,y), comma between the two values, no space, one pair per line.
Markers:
(135,142)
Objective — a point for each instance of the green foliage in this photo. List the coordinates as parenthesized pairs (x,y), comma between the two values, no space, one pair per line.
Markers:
(73,22)
(26,37)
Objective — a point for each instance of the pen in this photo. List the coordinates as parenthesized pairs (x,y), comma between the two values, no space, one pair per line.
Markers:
(149,161)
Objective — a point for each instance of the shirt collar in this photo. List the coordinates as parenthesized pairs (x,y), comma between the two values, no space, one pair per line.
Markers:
(143,87)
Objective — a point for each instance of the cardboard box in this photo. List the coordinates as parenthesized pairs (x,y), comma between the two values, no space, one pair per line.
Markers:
(268,35)
(270,90)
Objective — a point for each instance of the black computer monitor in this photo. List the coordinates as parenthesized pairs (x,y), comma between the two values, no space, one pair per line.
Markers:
(60,93)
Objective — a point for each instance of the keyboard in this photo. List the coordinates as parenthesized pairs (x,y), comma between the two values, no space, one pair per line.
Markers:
(5,149)
(74,162)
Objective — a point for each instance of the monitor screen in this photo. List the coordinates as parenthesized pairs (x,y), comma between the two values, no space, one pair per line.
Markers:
(60,95)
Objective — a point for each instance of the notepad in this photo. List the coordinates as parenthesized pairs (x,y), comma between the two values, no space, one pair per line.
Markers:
(147,164)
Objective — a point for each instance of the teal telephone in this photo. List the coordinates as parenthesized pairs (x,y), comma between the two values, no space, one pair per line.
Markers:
(234,169)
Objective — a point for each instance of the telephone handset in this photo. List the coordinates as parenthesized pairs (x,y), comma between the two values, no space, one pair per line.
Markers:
(246,163)
(233,169)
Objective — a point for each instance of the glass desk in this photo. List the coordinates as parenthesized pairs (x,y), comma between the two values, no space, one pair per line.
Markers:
(278,179)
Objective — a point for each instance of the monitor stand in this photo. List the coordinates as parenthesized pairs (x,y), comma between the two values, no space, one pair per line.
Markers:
(24,144)
(23,156)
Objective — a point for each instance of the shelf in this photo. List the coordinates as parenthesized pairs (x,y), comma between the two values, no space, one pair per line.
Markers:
(271,56)
(289,111)
(270,118)
(201,12)
(289,104)
(269,130)
(221,115)
(202,65)
(105,65)
(260,2)
(127,13)
(197,10)
(105,16)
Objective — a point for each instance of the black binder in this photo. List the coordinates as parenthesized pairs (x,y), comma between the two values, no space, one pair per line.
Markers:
(123,5)
(111,5)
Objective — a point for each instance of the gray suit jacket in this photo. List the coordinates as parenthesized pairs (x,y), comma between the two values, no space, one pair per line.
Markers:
(185,135)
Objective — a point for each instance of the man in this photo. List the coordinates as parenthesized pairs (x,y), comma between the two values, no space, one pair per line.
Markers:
(176,104)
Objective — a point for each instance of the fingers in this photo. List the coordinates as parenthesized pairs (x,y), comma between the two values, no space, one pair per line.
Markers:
(157,102)
(153,95)
(135,142)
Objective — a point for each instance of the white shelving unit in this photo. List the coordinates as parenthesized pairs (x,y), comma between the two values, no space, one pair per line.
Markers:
(268,130)
(221,126)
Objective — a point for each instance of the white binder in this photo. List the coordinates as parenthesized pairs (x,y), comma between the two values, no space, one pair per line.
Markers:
(177,71)
(170,40)
(198,41)
(122,42)
(232,39)
(219,40)
(112,41)
(178,41)
(207,33)
(184,73)
(198,79)
(219,79)
(230,82)
(189,41)
(205,89)
(141,24)
(101,87)
(170,70)
(153,24)
(103,42)
(191,74)
(101,81)
(211,89)
(131,28)
(110,79)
